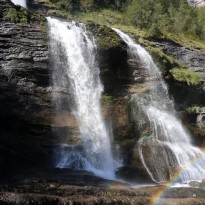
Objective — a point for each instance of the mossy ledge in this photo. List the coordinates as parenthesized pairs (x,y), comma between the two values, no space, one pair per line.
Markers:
(106,38)
(185,76)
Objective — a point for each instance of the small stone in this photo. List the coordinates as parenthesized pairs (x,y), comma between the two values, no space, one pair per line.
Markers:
(194,184)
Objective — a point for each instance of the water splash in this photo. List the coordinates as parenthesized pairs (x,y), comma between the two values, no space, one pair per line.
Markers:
(168,149)
(20,3)
(76,71)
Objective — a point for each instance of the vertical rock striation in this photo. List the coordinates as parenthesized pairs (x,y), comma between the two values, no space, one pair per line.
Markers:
(24,93)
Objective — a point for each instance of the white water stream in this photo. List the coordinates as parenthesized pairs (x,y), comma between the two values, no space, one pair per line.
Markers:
(75,70)
(168,138)
(20,2)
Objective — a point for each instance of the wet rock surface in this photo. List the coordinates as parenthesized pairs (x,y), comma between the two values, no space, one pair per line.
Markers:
(80,187)
(30,130)
(27,137)
(194,59)
(187,96)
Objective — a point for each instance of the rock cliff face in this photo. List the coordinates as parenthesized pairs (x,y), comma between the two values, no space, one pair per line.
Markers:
(196,3)
(188,96)
(30,129)
(25,97)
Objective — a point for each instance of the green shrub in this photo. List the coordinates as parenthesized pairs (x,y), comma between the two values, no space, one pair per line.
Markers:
(195,109)
(12,15)
(18,15)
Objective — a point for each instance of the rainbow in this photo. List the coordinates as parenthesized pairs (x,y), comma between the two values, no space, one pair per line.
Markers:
(161,190)
(157,196)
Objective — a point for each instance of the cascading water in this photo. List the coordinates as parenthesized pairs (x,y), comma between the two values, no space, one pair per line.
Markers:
(168,149)
(20,2)
(75,70)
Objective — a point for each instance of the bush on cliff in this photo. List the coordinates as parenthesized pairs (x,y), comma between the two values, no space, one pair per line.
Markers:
(18,15)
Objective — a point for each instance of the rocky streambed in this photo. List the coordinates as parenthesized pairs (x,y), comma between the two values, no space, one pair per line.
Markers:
(64,186)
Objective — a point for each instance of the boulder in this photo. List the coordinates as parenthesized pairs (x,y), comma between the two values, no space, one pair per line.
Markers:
(155,158)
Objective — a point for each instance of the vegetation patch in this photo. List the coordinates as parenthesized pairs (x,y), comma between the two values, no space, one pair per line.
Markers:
(186,76)
(166,62)
(86,5)
(174,20)
(187,42)
(19,14)
(59,13)
(176,16)
(195,109)
(146,133)
(105,36)
(102,17)
(107,99)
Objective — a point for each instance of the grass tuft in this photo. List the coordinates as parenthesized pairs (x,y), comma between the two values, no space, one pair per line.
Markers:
(186,76)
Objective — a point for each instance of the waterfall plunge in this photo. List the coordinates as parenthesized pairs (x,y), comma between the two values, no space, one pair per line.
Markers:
(75,70)
(169,145)
(20,2)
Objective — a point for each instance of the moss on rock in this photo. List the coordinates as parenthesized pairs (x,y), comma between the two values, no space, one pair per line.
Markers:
(58,13)
(105,36)
(185,76)
(107,99)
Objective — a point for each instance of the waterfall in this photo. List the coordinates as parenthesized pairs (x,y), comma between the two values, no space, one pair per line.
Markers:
(20,2)
(167,150)
(75,70)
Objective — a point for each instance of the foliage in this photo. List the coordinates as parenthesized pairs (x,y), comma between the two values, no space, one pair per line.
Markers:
(86,5)
(58,13)
(174,16)
(155,32)
(115,19)
(157,17)
(170,15)
(185,76)
(103,17)
(195,109)
(168,61)
(185,41)
(107,99)
(106,38)
(146,133)
(18,15)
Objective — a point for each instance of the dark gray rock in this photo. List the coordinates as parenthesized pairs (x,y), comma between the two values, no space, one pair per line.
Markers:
(193,59)
(30,127)
(25,100)
(58,187)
